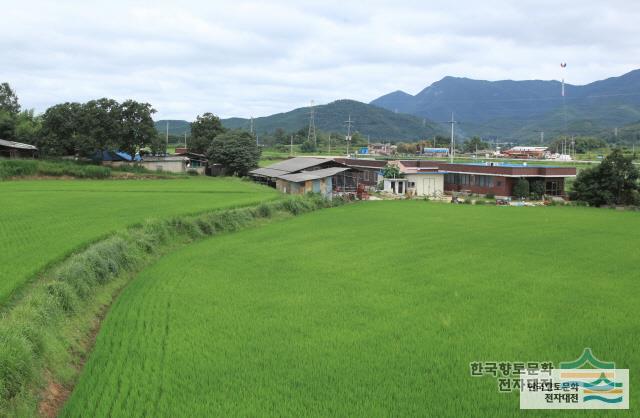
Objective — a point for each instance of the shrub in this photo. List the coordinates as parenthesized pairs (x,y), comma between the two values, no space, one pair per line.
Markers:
(521,189)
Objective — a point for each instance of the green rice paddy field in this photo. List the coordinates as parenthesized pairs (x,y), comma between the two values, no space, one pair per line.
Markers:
(374,309)
(42,221)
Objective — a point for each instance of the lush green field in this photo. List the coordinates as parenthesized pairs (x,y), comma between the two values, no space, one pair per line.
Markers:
(373,309)
(43,221)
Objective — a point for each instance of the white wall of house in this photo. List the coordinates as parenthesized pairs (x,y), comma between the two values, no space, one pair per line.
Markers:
(425,184)
(395,186)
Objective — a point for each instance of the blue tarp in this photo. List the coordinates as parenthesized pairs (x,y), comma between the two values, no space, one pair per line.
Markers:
(115,156)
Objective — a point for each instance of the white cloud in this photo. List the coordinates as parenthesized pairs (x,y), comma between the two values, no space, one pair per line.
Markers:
(241,58)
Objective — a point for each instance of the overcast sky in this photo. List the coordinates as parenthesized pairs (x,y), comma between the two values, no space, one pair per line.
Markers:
(242,58)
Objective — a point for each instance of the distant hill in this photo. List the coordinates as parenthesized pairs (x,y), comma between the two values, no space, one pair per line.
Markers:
(518,109)
(378,123)
(176,127)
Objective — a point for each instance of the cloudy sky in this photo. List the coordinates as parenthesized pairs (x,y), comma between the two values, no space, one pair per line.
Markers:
(242,58)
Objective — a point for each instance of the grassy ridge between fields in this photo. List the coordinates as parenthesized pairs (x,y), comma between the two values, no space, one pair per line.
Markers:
(369,310)
(44,221)
(41,332)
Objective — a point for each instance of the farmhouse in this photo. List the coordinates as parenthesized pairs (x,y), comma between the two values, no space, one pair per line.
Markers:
(306,174)
(368,172)
(11,149)
(526,152)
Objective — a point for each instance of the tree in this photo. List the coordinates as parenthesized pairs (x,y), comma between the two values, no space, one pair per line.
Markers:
(392,171)
(138,129)
(613,182)
(28,127)
(8,99)
(474,144)
(101,126)
(7,125)
(280,136)
(308,146)
(9,109)
(521,189)
(236,151)
(537,189)
(203,131)
(61,126)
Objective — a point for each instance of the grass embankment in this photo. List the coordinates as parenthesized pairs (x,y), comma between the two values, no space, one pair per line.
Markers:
(44,333)
(43,221)
(367,310)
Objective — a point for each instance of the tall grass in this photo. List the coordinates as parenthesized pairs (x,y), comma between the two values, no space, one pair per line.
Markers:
(24,168)
(32,331)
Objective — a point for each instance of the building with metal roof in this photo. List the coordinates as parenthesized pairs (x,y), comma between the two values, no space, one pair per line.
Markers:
(301,175)
(12,149)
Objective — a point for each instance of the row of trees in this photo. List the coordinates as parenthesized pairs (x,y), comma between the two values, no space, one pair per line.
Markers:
(78,128)
(83,129)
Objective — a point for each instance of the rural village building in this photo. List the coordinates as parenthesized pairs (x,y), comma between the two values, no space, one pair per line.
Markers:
(420,177)
(11,149)
(301,175)
(526,152)
(179,163)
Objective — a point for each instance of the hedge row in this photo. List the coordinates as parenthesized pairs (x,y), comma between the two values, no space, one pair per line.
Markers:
(31,333)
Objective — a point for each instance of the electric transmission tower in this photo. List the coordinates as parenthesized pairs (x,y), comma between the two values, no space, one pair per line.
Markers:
(312,126)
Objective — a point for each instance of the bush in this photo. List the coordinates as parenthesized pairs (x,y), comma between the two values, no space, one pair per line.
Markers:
(521,189)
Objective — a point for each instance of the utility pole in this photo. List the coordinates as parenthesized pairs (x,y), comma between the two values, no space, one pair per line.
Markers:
(453,143)
(348,137)
(291,149)
(166,151)
(185,140)
(312,126)
(329,143)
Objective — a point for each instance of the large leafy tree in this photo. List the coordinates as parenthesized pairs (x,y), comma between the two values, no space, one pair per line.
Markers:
(101,125)
(61,129)
(9,109)
(613,182)
(28,127)
(137,129)
(203,131)
(8,99)
(237,151)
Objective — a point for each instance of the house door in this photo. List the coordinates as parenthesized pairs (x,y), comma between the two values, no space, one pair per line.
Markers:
(429,187)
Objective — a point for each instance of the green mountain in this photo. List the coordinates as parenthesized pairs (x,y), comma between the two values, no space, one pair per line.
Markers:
(520,109)
(368,120)
(176,127)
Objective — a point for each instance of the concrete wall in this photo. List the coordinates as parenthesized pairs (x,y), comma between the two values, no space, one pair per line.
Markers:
(426,184)
(177,166)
